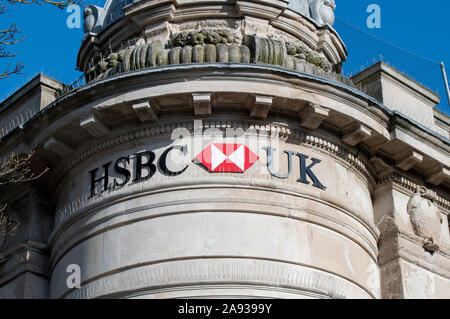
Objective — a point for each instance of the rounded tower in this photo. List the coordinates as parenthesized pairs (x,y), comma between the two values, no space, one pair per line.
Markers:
(217,151)
(210,165)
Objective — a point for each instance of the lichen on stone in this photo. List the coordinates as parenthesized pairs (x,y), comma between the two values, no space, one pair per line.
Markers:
(310,56)
(205,36)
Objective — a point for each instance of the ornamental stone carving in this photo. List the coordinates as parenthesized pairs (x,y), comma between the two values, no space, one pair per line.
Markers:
(90,16)
(289,41)
(97,18)
(321,11)
(425,219)
(211,46)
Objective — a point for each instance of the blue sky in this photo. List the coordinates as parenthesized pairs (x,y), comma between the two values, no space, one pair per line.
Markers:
(419,27)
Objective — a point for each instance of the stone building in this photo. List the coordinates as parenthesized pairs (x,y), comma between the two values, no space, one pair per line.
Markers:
(217,151)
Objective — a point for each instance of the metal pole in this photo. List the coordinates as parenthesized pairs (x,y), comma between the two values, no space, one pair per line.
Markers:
(444,74)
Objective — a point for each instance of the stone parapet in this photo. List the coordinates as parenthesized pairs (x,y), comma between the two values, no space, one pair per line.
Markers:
(191,23)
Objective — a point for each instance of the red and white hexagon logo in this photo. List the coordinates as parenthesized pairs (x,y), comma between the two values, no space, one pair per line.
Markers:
(228,158)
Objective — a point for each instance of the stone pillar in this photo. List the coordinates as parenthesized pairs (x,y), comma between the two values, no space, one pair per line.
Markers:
(412,249)
(24,266)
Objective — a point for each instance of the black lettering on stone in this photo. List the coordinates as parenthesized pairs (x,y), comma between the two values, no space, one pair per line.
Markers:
(163,161)
(95,180)
(270,167)
(307,171)
(122,171)
(150,156)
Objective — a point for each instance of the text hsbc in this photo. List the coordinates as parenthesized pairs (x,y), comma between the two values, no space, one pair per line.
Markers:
(145,166)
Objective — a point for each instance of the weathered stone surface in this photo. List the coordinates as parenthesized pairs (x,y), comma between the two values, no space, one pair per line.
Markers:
(313,116)
(153,51)
(325,213)
(127,59)
(94,126)
(198,54)
(202,103)
(206,36)
(163,57)
(58,147)
(210,53)
(222,53)
(207,46)
(410,160)
(261,106)
(289,63)
(357,135)
(175,56)
(186,54)
(245,54)
(143,56)
(265,51)
(144,111)
(234,53)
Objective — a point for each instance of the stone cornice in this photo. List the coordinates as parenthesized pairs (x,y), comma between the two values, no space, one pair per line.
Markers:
(344,154)
(400,180)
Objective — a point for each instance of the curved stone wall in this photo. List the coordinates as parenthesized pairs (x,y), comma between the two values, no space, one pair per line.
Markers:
(190,231)
(270,236)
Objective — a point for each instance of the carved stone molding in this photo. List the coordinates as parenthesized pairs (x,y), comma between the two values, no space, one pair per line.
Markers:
(58,147)
(94,126)
(218,271)
(425,219)
(145,112)
(212,22)
(208,46)
(439,176)
(202,103)
(357,135)
(167,128)
(409,161)
(313,116)
(413,187)
(405,248)
(261,106)
(339,151)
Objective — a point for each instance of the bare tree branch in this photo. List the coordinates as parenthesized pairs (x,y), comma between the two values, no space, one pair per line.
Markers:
(13,170)
(8,37)
(8,71)
(59,4)
(17,169)
(7,225)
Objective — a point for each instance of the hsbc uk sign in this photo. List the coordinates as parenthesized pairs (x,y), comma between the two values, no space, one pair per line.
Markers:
(216,158)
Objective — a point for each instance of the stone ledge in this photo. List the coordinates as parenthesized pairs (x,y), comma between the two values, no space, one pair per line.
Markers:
(26,257)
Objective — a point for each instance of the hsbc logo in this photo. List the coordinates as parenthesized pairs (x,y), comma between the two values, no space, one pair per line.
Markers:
(227,158)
